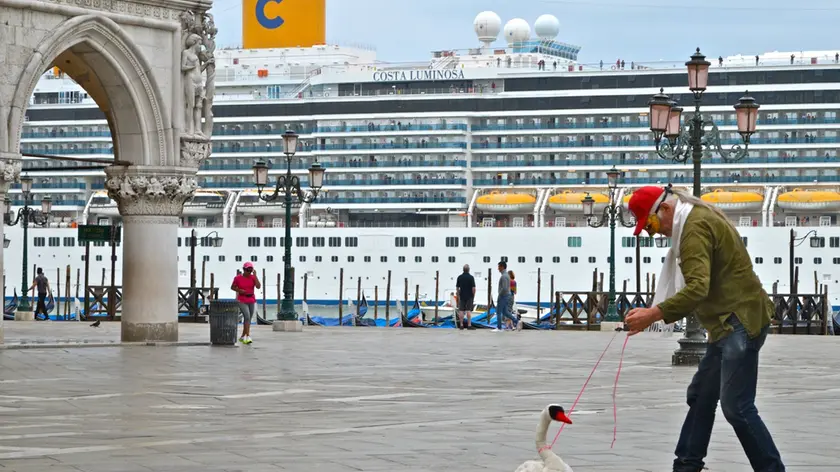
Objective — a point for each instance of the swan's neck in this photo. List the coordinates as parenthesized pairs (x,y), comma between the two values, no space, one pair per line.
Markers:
(551,460)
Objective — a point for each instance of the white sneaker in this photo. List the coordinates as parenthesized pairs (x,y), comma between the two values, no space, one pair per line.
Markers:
(248,340)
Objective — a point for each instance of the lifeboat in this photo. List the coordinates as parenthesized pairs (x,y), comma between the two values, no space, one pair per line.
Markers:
(810,200)
(496,202)
(570,202)
(250,204)
(734,201)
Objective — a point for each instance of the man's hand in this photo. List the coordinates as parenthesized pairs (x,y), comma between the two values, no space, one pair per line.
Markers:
(638,319)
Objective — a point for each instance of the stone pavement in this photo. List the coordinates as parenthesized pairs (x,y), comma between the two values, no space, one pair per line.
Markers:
(362,399)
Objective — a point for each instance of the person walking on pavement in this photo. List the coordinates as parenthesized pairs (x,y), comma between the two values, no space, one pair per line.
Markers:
(503,300)
(43,285)
(465,291)
(708,272)
(245,286)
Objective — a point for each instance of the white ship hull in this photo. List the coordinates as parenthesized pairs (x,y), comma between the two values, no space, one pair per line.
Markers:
(764,244)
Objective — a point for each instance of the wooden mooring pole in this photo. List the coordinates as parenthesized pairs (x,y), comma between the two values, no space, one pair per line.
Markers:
(437,294)
(375,302)
(388,301)
(341,297)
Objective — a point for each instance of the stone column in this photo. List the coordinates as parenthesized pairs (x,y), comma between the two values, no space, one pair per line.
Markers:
(151,201)
(10,165)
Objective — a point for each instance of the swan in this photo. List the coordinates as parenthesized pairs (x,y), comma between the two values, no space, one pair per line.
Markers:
(550,462)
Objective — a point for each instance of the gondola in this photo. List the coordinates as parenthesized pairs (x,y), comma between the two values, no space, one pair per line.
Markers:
(9,310)
(837,324)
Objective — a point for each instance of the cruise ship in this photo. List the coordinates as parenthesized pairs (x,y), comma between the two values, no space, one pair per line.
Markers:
(471,157)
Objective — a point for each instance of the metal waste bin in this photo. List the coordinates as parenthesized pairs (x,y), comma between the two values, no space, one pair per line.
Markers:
(224,319)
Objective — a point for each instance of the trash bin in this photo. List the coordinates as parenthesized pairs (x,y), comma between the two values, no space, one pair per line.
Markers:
(224,318)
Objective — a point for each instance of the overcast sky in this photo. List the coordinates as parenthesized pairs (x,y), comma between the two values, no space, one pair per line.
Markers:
(634,30)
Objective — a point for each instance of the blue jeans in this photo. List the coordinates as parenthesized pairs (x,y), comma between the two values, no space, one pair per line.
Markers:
(729,373)
(502,309)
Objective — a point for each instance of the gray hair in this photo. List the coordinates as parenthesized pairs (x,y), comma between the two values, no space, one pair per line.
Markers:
(466,267)
(686,197)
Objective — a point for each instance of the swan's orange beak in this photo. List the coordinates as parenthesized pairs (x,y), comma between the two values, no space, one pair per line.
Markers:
(561,417)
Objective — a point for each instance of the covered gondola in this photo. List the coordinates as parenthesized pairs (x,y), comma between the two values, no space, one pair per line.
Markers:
(10,308)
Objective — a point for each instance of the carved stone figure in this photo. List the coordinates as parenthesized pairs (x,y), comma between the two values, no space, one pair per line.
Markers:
(198,67)
(193,84)
(9,170)
(208,58)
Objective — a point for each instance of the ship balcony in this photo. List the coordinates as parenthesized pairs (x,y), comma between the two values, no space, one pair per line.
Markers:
(629,124)
(332,184)
(361,163)
(371,128)
(644,144)
(388,147)
(832,160)
(682,179)
(259,130)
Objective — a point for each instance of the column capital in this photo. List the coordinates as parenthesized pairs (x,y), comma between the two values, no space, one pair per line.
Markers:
(10,167)
(148,190)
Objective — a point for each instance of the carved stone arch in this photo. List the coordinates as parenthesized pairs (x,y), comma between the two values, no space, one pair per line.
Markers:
(114,72)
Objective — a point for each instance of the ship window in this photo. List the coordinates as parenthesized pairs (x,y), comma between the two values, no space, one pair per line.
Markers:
(777,260)
(319,242)
(83,257)
(435,259)
(836,260)
(367,258)
(797,260)
(452,259)
(744,239)
(834,241)
(303,258)
(334,258)
(318,258)
(521,259)
(818,260)
(238,258)
(401,242)
(383,259)
(555,259)
(221,258)
(759,260)
(302,241)
(646,242)
(253,241)
(98,258)
(575,241)
(401,259)
(628,241)
(69,242)
(283,242)
(592,260)
(574,260)
(351,241)
(817,241)
(418,242)
(179,242)
(418,259)
(206,258)
(452,241)
(269,258)
(254,258)
(646,260)
(504,259)
(628,260)
(486,259)
(335,241)
(189,258)
(270,241)
(538,259)
(39,241)
(469,242)
(351,259)
(663,260)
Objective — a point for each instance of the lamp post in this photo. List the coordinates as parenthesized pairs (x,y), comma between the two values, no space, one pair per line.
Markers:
(612,212)
(212,242)
(25,216)
(688,143)
(287,185)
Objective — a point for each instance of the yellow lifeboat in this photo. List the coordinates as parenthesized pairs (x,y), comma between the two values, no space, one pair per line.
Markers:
(734,201)
(496,202)
(810,200)
(570,202)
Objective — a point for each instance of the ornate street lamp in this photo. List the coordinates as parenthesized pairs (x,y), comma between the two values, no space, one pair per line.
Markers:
(688,143)
(26,216)
(613,212)
(287,186)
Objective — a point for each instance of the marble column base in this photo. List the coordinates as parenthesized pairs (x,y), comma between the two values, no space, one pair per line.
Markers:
(289,326)
(148,332)
(24,316)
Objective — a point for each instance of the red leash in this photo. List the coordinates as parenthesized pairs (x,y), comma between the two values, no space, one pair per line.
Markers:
(615,387)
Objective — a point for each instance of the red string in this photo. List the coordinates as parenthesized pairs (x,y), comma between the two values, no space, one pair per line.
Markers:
(615,387)
(581,391)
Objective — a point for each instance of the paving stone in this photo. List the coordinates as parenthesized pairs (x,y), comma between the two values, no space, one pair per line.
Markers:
(351,399)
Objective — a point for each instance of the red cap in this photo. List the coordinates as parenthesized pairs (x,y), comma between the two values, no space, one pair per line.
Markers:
(641,204)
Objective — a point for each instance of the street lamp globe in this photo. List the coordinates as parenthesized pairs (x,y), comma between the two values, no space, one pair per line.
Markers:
(290,142)
(660,110)
(698,72)
(6,242)
(612,178)
(316,176)
(260,174)
(216,241)
(672,131)
(26,185)
(746,114)
(46,205)
(588,206)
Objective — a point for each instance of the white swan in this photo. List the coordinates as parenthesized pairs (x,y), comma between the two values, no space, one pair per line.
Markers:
(550,462)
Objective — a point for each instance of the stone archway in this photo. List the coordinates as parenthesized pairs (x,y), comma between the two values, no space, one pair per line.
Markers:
(128,56)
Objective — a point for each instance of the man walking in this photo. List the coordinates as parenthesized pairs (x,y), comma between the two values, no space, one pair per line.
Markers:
(465,290)
(708,272)
(503,301)
(43,285)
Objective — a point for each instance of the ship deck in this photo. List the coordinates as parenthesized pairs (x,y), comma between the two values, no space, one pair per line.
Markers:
(401,399)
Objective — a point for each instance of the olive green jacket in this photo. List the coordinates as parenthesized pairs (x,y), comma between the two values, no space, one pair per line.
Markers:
(719,278)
